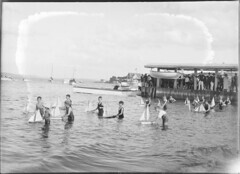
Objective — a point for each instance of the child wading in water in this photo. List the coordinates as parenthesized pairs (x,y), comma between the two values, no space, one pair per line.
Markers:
(39,105)
(120,114)
(227,102)
(47,114)
(100,107)
(162,113)
(171,100)
(69,112)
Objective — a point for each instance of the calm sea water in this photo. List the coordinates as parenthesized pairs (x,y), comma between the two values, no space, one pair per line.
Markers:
(193,142)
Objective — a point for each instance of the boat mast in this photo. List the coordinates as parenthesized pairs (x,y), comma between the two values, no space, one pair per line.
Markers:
(52,71)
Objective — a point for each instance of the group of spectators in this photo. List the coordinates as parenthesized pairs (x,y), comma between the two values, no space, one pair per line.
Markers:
(205,81)
(147,81)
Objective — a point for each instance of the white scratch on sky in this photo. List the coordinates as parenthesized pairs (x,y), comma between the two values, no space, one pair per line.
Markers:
(210,52)
(23,30)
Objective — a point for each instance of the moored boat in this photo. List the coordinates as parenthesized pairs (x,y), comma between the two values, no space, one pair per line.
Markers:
(103,91)
(6,79)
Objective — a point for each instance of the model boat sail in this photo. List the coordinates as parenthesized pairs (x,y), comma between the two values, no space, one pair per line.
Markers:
(200,108)
(187,103)
(212,103)
(142,102)
(145,115)
(36,117)
(89,107)
(56,111)
(105,113)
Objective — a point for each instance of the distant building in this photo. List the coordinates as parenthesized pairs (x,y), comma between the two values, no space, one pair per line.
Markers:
(129,76)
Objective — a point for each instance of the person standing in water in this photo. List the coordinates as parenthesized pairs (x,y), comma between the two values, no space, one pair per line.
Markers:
(100,107)
(47,114)
(171,99)
(207,106)
(163,114)
(227,102)
(68,99)
(39,105)
(69,112)
(221,103)
(195,102)
(120,114)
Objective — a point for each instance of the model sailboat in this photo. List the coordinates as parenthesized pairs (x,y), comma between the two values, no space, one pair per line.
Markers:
(142,102)
(144,119)
(89,107)
(200,108)
(36,117)
(212,103)
(56,111)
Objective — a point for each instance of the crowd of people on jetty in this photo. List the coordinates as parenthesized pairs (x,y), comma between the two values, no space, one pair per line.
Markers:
(205,81)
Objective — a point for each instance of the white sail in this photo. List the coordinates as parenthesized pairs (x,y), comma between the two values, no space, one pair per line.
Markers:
(36,117)
(187,103)
(148,114)
(212,102)
(105,113)
(197,109)
(89,107)
(145,115)
(59,103)
(142,118)
(56,111)
(201,108)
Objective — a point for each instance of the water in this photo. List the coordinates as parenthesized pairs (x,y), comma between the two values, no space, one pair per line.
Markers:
(193,142)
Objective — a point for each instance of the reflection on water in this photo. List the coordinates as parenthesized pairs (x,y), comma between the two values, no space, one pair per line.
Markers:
(193,142)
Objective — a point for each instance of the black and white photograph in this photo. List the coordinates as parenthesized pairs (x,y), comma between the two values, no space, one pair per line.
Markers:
(120,87)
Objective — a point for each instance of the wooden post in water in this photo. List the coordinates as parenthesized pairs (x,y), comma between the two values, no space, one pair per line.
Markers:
(158,80)
(195,79)
(175,82)
(216,80)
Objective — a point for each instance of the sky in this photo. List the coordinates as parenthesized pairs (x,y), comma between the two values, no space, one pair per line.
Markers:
(99,40)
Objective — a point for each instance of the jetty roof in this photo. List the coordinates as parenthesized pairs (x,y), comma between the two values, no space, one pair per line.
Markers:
(207,67)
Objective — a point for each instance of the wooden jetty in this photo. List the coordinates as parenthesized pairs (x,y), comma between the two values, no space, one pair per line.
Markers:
(179,93)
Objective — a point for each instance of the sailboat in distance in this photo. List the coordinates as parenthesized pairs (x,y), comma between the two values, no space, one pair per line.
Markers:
(72,81)
(51,78)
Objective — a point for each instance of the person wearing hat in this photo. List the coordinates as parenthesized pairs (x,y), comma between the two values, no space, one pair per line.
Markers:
(47,114)
(69,112)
